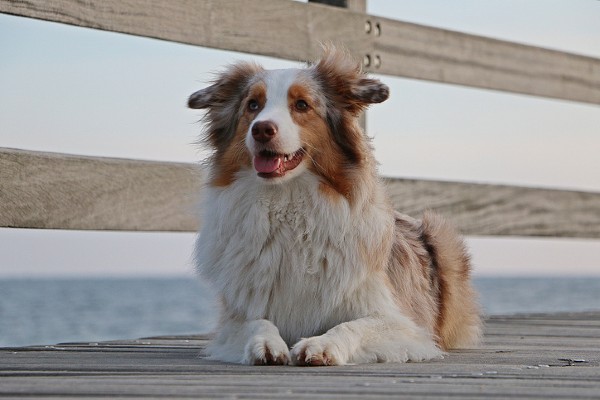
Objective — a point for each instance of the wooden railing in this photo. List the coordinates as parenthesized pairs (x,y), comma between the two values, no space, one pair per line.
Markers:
(56,191)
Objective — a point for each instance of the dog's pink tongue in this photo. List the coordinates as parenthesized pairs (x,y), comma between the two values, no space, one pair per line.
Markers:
(266,164)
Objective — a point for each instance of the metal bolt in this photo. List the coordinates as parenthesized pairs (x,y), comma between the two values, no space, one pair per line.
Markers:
(377,61)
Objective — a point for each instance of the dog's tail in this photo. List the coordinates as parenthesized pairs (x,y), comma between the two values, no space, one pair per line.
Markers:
(458,322)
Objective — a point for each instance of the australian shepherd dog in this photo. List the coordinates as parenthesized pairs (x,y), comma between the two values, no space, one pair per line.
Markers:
(311,263)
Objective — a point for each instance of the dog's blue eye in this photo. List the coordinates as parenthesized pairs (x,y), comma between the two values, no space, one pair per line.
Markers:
(253,105)
(301,105)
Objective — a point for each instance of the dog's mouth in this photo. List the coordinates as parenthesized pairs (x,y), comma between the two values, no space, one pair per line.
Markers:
(270,164)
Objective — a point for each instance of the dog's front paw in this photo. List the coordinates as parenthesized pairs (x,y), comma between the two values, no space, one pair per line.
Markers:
(316,351)
(264,350)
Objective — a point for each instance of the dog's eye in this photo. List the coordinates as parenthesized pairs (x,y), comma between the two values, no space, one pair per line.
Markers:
(253,105)
(301,105)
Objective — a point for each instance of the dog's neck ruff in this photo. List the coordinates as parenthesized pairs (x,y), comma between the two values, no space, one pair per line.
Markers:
(287,242)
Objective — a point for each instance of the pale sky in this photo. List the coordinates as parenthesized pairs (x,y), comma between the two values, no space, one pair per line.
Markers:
(82,91)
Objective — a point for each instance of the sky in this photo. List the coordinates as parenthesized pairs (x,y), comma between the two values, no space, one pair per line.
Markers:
(81,91)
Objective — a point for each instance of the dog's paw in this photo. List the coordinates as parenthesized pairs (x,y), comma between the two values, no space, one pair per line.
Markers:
(264,350)
(423,351)
(315,352)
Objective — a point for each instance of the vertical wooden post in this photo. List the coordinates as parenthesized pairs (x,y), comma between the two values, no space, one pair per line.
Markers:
(357,5)
(354,5)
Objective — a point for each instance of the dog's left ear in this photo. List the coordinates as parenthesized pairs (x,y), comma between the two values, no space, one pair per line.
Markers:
(370,91)
(343,80)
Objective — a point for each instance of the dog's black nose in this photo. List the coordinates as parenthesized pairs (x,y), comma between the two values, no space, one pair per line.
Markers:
(263,131)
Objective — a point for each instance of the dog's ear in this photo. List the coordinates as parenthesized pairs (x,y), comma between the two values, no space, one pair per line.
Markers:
(370,91)
(346,85)
(226,88)
(201,98)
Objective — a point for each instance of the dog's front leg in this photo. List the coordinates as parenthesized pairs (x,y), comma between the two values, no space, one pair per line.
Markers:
(367,340)
(254,342)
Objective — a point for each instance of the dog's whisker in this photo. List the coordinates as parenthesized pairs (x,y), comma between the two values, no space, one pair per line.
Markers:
(312,159)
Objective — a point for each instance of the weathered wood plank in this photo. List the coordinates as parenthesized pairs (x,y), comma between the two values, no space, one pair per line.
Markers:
(293,30)
(439,55)
(479,209)
(173,367)
(56,191)
(284,29)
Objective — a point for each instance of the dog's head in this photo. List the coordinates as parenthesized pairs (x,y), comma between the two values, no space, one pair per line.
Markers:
(281,123)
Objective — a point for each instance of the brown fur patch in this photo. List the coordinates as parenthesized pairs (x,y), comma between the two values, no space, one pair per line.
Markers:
(324,157)
(409,273)
(458,322)
(231,158)
(340,152)
(348,92)
(336,81)
(223,119)
(429,269)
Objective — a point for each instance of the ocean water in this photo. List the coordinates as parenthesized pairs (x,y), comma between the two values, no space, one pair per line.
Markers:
(50,311)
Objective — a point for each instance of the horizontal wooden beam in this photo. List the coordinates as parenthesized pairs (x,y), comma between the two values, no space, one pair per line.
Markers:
(497,210)
(56,191)
(293,30)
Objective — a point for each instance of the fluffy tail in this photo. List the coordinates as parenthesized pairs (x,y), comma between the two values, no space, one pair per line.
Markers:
(459,322)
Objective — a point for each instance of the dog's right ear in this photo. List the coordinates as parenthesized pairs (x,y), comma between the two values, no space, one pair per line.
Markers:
(227,87)
(201,98)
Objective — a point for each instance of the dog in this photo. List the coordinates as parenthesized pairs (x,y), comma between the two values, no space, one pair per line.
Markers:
(311,264)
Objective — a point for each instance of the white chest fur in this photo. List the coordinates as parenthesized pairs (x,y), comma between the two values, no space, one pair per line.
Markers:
(288,254)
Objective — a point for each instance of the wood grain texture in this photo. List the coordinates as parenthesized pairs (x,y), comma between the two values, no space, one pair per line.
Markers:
(525,357)
(480,209)
(293,30)
(422,52)
(56,191)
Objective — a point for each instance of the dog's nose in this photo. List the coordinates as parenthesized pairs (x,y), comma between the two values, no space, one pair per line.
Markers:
(263,131)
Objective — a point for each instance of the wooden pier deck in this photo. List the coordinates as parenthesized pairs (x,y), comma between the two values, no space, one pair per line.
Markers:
(533,356)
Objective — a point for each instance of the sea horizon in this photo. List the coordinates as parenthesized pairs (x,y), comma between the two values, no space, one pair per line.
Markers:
(51,310)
